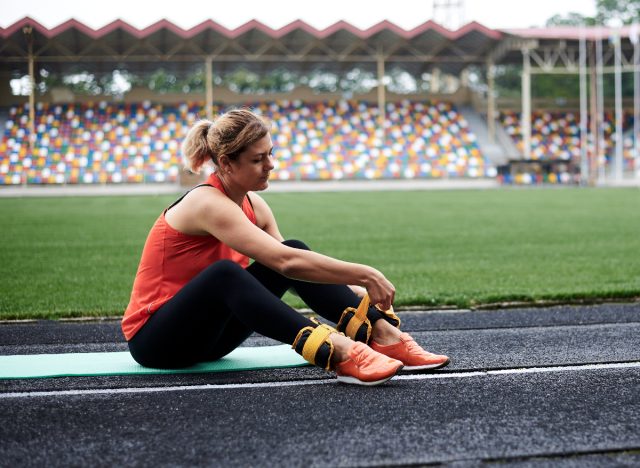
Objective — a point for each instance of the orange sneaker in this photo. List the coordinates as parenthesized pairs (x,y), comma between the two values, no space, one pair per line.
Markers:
(366,367)
(411,354)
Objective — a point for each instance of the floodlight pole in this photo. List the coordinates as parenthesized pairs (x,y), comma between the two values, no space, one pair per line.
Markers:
(526,104)
(208,71)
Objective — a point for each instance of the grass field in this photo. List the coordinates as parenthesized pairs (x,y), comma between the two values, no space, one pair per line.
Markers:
(63,257)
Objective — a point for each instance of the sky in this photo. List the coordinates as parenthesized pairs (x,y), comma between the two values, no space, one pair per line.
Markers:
(497,14)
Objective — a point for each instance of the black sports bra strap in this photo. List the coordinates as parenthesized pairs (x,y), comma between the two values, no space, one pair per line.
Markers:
(185,194)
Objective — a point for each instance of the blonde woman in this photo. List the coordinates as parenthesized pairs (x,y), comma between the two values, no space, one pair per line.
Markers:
(196,297)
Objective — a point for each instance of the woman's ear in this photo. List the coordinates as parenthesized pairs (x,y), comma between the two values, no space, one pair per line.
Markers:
(225,163)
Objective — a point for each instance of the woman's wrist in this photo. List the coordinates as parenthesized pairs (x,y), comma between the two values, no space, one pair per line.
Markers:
(371,277)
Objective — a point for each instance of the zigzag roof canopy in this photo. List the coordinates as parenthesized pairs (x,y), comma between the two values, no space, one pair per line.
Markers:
(253,45)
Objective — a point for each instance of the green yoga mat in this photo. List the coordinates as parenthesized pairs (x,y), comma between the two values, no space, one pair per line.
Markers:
(31,366)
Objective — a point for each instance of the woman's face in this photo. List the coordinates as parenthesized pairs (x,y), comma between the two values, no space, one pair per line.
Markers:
(252,167)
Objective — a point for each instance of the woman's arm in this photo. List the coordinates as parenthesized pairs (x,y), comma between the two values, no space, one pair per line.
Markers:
(219,216)
(264,215)
(267,222)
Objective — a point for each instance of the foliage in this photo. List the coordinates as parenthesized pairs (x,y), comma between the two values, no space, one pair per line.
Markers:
(608,12)
(571,19)
(617,11)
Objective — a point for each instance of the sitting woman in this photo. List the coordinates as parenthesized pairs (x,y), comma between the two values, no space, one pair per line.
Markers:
(196,297)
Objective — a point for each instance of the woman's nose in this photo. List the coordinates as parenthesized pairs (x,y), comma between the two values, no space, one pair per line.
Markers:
(270,165)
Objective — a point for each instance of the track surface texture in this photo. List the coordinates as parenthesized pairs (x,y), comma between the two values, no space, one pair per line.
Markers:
(556,386)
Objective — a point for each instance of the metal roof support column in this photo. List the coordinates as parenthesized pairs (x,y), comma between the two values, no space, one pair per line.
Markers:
(525,120)
(618,94)
(594,154)
(208,71)
(599,136)
(491,100)
(435,84)
(636,100)
(382,104)
(584,162)
(28,32)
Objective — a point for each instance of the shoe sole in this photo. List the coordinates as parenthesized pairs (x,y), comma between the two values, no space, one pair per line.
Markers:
(353,381)
(427,366)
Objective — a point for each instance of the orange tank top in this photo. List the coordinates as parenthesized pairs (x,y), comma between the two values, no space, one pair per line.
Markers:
(169,260)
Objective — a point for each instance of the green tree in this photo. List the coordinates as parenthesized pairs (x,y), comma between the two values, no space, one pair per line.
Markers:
(623,11)
(571,19)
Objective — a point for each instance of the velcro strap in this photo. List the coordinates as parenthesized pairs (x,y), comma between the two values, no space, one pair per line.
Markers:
(363,308)
(354,324)
(317,338)
(390,316)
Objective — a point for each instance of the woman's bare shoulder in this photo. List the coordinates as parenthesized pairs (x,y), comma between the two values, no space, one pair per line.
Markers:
(199,204)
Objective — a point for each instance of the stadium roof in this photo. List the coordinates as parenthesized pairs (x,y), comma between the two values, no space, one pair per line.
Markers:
(252,45)
(74,46)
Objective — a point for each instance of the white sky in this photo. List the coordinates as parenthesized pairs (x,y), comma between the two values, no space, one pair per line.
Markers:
(277,13)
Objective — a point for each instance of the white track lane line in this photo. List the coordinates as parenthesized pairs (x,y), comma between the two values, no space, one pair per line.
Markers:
(296,383)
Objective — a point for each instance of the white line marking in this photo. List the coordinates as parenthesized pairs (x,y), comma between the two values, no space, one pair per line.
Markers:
(296,383)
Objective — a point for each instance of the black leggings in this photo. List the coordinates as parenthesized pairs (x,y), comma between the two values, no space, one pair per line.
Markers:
(221,306)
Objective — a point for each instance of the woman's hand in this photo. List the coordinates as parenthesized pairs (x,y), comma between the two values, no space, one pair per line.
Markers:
(381,291)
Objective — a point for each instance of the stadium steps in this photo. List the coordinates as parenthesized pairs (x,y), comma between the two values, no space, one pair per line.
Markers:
(501,150)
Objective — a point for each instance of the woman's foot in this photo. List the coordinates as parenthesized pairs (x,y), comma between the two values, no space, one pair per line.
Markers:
(410,353)
(364,366)
(384,333)
(353,362)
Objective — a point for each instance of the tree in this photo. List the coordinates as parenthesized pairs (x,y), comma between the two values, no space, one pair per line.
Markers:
(571,19)
(617,11)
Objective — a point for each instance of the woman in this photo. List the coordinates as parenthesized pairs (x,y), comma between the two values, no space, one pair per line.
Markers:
(196,298)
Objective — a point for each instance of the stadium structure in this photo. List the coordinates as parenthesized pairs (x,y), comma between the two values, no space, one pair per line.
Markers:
(451,132)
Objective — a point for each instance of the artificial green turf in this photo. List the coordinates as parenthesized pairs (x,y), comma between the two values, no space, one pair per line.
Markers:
(62,257)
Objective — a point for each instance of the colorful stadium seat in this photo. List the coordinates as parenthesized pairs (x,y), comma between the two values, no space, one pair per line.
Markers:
(98,143)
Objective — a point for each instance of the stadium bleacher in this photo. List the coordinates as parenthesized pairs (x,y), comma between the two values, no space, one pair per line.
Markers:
(133,143)
(555,136)
(112,143)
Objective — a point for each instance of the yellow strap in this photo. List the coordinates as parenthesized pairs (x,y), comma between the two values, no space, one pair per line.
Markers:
(391,314)
(359,317)
(363,308)
(316,339)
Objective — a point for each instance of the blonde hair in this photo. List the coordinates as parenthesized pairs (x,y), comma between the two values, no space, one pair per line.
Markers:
(230,133)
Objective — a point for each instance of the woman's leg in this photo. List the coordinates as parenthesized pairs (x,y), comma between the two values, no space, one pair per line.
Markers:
(212,315)
(327,300)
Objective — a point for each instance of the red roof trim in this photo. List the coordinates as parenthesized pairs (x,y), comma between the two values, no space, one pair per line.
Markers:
(18,25)
(115,25)
(251,25)
(474,26)
(208,24)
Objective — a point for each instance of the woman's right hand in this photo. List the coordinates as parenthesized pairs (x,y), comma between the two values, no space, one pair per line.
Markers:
(381,291)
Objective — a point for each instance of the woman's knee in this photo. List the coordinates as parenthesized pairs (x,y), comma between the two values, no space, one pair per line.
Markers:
(224,270)
(296,244)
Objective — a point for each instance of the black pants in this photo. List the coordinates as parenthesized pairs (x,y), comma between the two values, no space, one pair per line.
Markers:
(220,307)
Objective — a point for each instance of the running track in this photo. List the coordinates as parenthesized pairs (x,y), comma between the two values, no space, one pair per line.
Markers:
(526,387)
